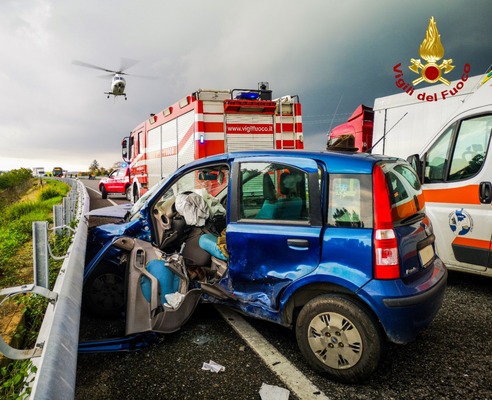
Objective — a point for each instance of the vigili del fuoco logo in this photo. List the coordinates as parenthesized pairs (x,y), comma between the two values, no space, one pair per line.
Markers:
(432,71)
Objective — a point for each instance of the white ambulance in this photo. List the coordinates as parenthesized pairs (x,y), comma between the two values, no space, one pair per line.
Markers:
(456,171)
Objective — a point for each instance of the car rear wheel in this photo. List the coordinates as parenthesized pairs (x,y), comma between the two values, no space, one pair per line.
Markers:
(339,338)
(104,193)
(104,291)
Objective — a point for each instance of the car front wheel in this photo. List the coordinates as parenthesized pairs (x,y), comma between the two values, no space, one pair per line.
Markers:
(339,338)
(104,291)
(104,193)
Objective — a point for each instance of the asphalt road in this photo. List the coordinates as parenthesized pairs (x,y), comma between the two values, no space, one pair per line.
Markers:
(452,359)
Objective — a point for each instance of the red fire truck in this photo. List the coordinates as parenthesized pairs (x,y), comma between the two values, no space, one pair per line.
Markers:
(209,122)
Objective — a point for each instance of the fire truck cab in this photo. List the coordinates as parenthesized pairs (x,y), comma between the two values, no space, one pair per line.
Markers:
(209,122)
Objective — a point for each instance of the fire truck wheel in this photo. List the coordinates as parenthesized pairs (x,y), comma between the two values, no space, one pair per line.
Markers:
(135,194)
(104,193)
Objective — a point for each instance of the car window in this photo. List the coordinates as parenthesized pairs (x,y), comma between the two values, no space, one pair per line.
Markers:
(405,191)
(350,201)
(273,191)
(210,183)
(203,181)
(408,173)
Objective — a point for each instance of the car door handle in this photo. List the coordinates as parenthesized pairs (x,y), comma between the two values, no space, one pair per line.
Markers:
(298,242)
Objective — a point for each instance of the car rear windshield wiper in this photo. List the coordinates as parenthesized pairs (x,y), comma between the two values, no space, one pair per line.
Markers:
(412,218)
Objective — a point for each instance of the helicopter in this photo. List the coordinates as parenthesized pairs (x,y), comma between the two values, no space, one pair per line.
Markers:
(118,82)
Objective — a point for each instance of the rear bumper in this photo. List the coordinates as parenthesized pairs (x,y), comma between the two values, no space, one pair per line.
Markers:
(422,298)
(405,311)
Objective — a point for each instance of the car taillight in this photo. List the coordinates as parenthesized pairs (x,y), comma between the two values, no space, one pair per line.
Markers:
(386,265)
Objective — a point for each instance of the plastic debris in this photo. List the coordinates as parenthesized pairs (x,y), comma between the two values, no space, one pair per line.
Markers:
(213,366)
(272,392)
(201,340)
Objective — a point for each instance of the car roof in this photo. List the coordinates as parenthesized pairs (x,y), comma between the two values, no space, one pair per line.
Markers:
(336,161)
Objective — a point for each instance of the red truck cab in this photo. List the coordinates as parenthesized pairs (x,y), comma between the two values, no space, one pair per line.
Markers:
(118,181)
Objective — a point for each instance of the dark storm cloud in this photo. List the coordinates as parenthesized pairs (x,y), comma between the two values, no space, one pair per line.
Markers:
(334,55)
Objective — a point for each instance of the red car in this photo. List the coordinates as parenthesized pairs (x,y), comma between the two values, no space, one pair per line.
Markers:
(118,181)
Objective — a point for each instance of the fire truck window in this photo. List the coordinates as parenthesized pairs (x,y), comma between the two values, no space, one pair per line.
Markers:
(273,192)
(140,138)
(471,146)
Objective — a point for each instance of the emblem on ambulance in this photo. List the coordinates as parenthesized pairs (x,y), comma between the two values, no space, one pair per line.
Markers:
(431,50)
(460,222)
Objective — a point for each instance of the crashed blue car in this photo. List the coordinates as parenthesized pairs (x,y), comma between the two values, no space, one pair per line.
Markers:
(335,245)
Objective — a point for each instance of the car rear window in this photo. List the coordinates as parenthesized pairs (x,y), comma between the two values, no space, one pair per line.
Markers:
(350,201)
(404,188)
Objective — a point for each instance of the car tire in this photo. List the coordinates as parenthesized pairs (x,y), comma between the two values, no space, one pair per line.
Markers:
(104,291)
(104,193)
(339,338)
(128,193)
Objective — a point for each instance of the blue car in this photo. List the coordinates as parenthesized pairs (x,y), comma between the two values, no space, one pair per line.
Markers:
(334,245)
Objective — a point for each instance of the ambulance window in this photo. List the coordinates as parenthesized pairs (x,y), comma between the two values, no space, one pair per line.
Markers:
(437,156)
(471,146)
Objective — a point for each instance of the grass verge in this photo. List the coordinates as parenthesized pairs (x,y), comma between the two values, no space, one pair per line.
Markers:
(16,220)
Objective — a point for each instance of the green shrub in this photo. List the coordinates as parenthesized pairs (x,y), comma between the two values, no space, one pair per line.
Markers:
(48,193)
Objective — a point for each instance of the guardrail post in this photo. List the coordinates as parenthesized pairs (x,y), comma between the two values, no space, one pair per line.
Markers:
(66,210)
(58,219)
(40,253)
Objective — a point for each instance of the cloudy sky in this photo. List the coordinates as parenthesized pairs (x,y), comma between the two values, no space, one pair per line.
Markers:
(333,54)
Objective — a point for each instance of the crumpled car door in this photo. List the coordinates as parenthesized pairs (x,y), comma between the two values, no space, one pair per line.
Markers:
(158,294)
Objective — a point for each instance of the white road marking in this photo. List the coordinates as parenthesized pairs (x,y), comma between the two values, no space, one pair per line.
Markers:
(295,380)
(98,192)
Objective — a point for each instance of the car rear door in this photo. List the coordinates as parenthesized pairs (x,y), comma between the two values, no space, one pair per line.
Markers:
(273,236)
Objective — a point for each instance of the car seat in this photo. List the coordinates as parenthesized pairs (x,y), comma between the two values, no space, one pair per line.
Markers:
(208,242)
(269,206)
(289,207)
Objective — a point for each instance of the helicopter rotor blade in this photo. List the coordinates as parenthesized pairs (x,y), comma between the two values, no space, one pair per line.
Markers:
(126,63)
(87,65)
(143,76)
(106,76)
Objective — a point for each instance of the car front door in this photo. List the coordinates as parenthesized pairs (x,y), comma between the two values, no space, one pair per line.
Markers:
(273,235)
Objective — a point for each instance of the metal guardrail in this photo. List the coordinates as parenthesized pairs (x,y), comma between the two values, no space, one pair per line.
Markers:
(57,366)
(55,352)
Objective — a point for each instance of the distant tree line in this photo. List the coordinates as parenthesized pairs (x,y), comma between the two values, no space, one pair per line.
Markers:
(96,170)
(13,183)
